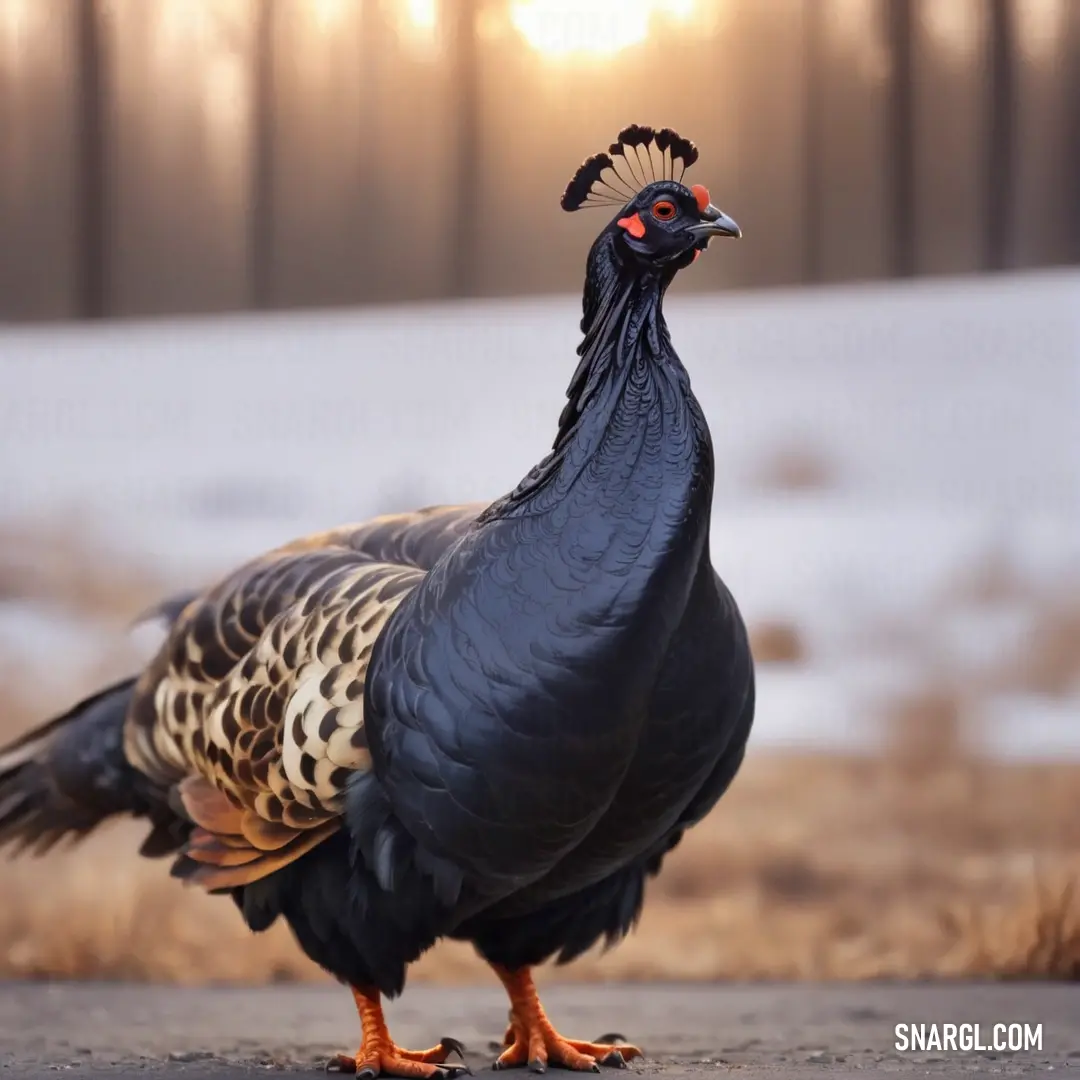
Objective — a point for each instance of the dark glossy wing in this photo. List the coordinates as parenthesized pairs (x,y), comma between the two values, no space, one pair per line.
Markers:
(471,693)
(415,539)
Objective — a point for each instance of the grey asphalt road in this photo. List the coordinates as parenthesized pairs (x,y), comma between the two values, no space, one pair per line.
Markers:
(754,1032)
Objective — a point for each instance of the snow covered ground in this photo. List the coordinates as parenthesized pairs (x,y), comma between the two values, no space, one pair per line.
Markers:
(898,467)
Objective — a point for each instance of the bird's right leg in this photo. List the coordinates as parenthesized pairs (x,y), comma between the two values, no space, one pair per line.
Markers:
(379,1055)
(532,1040)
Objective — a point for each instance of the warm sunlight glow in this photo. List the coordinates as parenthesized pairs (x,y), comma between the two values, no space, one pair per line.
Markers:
(1040,27)
(194,25)
(421,13)
(198,60)
(851,21)
(956,25)
(15,19)
(591,27)
(328,14)
(19,19)
(417,21)
(856,28)
(181,20)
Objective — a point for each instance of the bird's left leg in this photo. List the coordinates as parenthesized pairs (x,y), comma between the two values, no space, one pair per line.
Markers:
(379,1055)
(532,1040)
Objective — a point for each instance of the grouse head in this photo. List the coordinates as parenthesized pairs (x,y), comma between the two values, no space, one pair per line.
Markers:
(660,221)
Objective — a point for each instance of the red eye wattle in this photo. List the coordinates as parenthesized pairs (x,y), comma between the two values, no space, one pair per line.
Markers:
(664,210)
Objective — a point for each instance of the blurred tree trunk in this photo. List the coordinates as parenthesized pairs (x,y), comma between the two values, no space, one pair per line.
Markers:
(465,76)
(92,163)
(1071,170)
(814,13)
(999,227)
(261,246)
(375,42)
(900,145)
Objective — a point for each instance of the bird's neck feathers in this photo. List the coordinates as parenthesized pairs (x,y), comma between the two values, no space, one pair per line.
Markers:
(628,367)
(622,323)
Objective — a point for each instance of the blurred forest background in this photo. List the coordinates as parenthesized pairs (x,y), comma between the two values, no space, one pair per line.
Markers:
(209,155)
(889,359)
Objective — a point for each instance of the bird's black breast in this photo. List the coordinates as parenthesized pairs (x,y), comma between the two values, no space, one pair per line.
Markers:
(506,697)
(697,717)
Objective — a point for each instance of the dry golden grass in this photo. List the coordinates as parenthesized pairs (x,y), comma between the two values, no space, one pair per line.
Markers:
(776,642)
(66,569)
(794,467)
(812,868)
(925,862)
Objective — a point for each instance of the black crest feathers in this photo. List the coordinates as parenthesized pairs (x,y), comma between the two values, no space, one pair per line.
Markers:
(640,156)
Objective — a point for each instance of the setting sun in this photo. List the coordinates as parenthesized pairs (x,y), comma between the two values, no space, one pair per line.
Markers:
(417,22)
(591,27)
(422,14)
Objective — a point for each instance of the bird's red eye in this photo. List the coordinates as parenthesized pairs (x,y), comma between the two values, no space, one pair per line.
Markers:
(664,210)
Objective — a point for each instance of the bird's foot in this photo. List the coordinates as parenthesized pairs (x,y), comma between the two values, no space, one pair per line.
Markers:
(383,1058)
(532,1040)
(379,1055)
(539,1045)
(507,1039)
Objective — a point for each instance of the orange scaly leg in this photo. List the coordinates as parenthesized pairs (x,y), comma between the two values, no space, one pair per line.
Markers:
(380,1056)
(531,1040)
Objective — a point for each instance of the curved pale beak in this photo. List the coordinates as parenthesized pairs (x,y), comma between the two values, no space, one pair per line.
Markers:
(716,223)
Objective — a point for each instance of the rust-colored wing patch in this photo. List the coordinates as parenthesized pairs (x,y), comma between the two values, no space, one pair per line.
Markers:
(231,847)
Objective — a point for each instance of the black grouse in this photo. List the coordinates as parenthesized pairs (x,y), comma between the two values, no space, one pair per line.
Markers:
(485,723)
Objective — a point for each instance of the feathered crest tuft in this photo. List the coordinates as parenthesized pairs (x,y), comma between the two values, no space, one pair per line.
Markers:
(640,156)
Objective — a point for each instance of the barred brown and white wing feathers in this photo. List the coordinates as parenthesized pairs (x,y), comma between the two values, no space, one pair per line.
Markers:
(211,637)
(284,731)
(253,709)
(216,632)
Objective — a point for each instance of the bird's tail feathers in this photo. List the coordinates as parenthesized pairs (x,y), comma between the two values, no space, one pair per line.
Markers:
(64,778)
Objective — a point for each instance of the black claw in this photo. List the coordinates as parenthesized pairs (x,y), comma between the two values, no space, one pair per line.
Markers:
(595,1067)
(452,1045)
(496,1064)
(366,1073)
(614,1060)
(537,1066)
